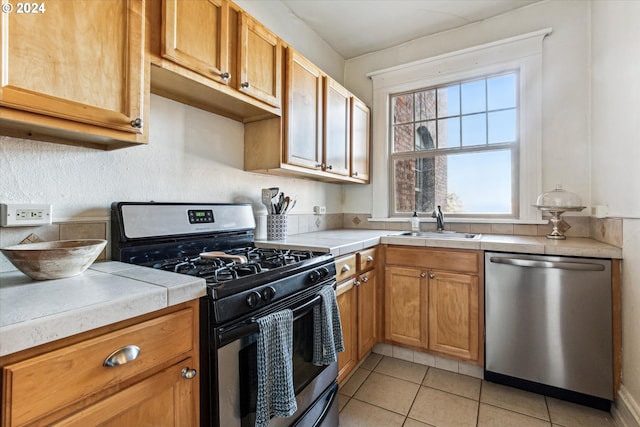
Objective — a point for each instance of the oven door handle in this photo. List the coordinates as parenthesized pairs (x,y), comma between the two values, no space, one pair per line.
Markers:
(250,326)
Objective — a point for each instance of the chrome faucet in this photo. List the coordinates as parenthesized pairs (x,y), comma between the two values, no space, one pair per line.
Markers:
(437,214)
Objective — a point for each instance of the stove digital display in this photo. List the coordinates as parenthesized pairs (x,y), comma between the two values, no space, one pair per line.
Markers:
(200,216)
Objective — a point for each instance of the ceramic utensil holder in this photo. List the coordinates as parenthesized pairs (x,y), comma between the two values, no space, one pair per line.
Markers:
(276,227)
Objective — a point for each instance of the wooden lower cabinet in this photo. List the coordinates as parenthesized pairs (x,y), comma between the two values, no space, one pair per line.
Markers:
(70,383)
(165,399)
(406,306)
(359,305)
(434,301)
(348,306)
(367,312)
(453,314)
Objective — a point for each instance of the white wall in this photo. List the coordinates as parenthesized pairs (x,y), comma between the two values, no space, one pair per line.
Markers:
(565,116)
(275,16)
(192,156)
(615,136)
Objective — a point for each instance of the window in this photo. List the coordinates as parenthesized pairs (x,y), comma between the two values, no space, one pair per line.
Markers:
(462,129)
(456,146)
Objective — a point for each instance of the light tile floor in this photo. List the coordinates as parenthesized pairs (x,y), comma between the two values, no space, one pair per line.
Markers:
(388,392)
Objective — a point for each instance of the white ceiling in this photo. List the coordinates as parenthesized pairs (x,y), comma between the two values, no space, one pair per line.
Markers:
(355,27)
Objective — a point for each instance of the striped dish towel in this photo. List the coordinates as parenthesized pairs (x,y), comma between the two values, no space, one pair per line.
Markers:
(327,330)
(276,395)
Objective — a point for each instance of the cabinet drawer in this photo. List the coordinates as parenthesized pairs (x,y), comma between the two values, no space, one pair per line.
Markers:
(42,384)
(345,267)
(366,259)
(440,259)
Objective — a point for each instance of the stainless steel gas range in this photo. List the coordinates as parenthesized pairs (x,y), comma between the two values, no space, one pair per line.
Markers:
(244,284)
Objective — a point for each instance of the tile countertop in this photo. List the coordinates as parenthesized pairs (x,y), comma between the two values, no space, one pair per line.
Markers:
(36,312)
(341,242)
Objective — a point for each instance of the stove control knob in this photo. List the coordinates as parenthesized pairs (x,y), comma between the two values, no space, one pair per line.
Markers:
(324,272)
(253,299)
(268,293)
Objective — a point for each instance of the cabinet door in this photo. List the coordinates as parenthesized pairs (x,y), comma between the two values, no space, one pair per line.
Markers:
(79,61)
(165,399)
(359,139)
(195,34)
(367,309)
(337,128)
(348,306)
(260,62)
(453,314)
(406,306)
(303,112)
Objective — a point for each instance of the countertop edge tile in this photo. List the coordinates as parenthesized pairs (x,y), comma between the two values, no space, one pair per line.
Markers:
(24,335)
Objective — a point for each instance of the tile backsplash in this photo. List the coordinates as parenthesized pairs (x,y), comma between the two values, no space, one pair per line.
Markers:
(606,230)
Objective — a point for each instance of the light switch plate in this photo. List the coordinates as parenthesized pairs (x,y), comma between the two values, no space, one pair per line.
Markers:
(24,215)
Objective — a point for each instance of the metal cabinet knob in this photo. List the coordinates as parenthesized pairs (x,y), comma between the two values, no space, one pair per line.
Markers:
(432,276)
(364,279)
(423,274)
(345,268)
(329,167)
(136,123)
(355,173)
(245,85)
(121,356)
(188,373)
(225,76)
(319,165)
(369,258)
(356,283)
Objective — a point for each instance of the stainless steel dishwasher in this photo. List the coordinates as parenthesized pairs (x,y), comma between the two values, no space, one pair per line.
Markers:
(549,325)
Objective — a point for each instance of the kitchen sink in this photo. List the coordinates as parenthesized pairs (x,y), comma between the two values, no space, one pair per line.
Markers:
(442,235)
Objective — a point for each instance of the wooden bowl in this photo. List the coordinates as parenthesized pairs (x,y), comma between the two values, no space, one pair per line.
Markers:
(56,259)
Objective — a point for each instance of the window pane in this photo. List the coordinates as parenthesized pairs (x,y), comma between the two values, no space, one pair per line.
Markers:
(449,132)
(501,92)
(405,188)
(425,135)
(473,97)
(403,138)
(502,126)
(471,195)
(425,105)
(449,101)
(474,130)
(402,108)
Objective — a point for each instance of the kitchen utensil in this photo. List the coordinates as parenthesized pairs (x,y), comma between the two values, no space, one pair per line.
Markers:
(291,205)
(240,259)
(266,199)
(56,259)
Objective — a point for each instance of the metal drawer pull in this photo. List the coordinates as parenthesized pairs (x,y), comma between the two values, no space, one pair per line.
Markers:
(124,355)
(188,373)
(346,268)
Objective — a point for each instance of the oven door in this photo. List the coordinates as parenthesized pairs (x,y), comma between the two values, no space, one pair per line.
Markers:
(237,372)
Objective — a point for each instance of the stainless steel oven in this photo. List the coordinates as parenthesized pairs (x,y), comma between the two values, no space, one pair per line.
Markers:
(244,283)
(236,370)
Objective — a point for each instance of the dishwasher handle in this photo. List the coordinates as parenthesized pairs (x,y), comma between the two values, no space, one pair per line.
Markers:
(534,263)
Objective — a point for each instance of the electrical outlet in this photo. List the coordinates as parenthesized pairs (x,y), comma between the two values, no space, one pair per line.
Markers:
(320,210)
(23,215)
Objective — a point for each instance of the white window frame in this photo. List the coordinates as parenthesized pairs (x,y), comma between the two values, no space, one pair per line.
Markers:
(522,53)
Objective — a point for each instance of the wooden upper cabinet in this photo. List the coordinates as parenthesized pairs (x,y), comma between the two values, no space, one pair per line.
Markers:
(195,35)
(260,62)
(337,128)
(76,71)
(303,112)
(360,139)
